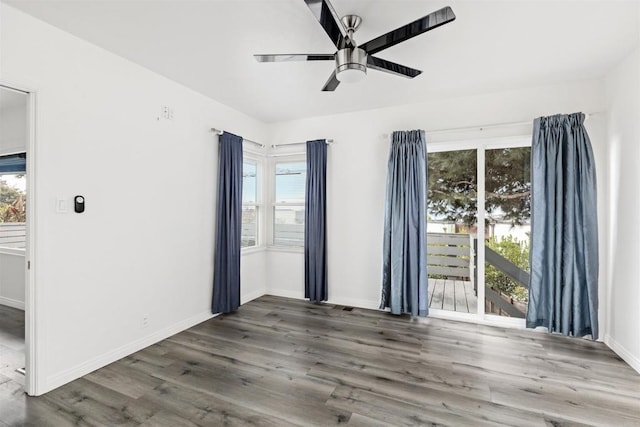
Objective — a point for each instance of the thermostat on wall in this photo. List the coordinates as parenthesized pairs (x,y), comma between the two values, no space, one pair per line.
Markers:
(78,204)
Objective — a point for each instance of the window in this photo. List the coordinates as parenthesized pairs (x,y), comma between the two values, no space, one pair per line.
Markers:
(13,184)
(250,203)
(288,209)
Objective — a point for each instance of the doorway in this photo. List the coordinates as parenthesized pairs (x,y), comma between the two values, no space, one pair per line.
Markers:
(478,230)
(16,139)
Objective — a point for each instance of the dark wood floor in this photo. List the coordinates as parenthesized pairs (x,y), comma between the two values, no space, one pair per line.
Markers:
(284,362)
(11,345)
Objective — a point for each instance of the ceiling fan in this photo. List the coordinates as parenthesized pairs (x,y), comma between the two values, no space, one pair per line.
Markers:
(352,60)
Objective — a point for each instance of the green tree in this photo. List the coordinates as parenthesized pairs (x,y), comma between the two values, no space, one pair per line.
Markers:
(518,253)
(453,185)
(12,203)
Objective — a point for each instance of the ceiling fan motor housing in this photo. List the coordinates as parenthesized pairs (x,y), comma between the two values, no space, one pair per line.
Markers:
(354,59)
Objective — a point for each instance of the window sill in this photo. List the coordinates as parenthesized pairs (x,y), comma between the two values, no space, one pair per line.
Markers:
(289,249)
(252,250)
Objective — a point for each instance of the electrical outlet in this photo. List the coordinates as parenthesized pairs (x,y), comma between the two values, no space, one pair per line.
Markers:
(145,321)
(166,112)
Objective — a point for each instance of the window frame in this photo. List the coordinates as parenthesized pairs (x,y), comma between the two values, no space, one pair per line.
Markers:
(284,158)
(16,247)
(258,160)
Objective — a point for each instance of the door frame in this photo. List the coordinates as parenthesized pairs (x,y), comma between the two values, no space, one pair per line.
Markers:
(30,307)
(481,145)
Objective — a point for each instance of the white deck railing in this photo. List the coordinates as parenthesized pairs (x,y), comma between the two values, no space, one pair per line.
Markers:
(13,234)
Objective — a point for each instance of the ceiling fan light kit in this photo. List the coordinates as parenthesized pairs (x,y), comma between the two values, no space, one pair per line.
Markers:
(351,65)
(352,61)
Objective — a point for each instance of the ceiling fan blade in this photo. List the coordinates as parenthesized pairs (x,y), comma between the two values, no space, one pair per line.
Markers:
(331,84)
(422,25)
(391,67)
(294,57)
(329,20)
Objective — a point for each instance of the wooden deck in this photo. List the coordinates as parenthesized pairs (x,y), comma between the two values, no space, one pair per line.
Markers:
(452,295)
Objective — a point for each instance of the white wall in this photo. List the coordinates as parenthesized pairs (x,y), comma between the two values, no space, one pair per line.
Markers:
(13,139)
(13,130)
(357,168)
(623,140)
(144,246)
(12,270)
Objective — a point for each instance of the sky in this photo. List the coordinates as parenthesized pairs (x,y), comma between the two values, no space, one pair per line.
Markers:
(290,182)
(15,182)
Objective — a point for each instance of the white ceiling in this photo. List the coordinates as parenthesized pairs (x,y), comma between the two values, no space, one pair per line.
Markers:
(491,46)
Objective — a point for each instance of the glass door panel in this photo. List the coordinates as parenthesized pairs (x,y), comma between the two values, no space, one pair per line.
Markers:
(451,230)
(508,226)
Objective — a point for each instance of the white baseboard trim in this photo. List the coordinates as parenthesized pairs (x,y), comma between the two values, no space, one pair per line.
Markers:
(89,366)
(252,295)
(620,350)
(12,303)
(354,302)
(285,293)
(351,302)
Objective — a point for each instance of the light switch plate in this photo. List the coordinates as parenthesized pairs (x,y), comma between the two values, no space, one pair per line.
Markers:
(62,206)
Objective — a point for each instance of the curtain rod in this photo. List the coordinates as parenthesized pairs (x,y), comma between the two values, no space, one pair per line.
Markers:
(485,127)
(328,141)
(219,132)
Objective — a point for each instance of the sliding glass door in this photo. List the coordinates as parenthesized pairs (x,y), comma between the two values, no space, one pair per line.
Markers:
(451,230)
(507,198)
(479,272)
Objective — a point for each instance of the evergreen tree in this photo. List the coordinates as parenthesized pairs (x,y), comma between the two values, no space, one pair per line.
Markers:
(453,185)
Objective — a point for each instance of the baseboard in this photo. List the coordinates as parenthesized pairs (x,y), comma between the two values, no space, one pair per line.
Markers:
(354,302)
(252,295)
(351,302)
(12,303)
(620,350)
(285,293)
(85,368)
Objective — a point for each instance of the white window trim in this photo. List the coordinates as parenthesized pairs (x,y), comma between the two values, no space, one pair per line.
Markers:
(260,235)
(271,246)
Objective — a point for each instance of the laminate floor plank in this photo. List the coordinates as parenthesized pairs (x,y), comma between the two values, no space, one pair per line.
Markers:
(100,405)
(258,362)
(283,362)
(207,410)
(121,378)
(397,412)
(412,388)
(12,344)
(371,335)
(167,419)
(291,402)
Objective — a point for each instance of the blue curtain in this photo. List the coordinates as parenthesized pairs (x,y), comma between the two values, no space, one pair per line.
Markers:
(315,222)
(14,163)
(563,292)
(404,275)
(226,272)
